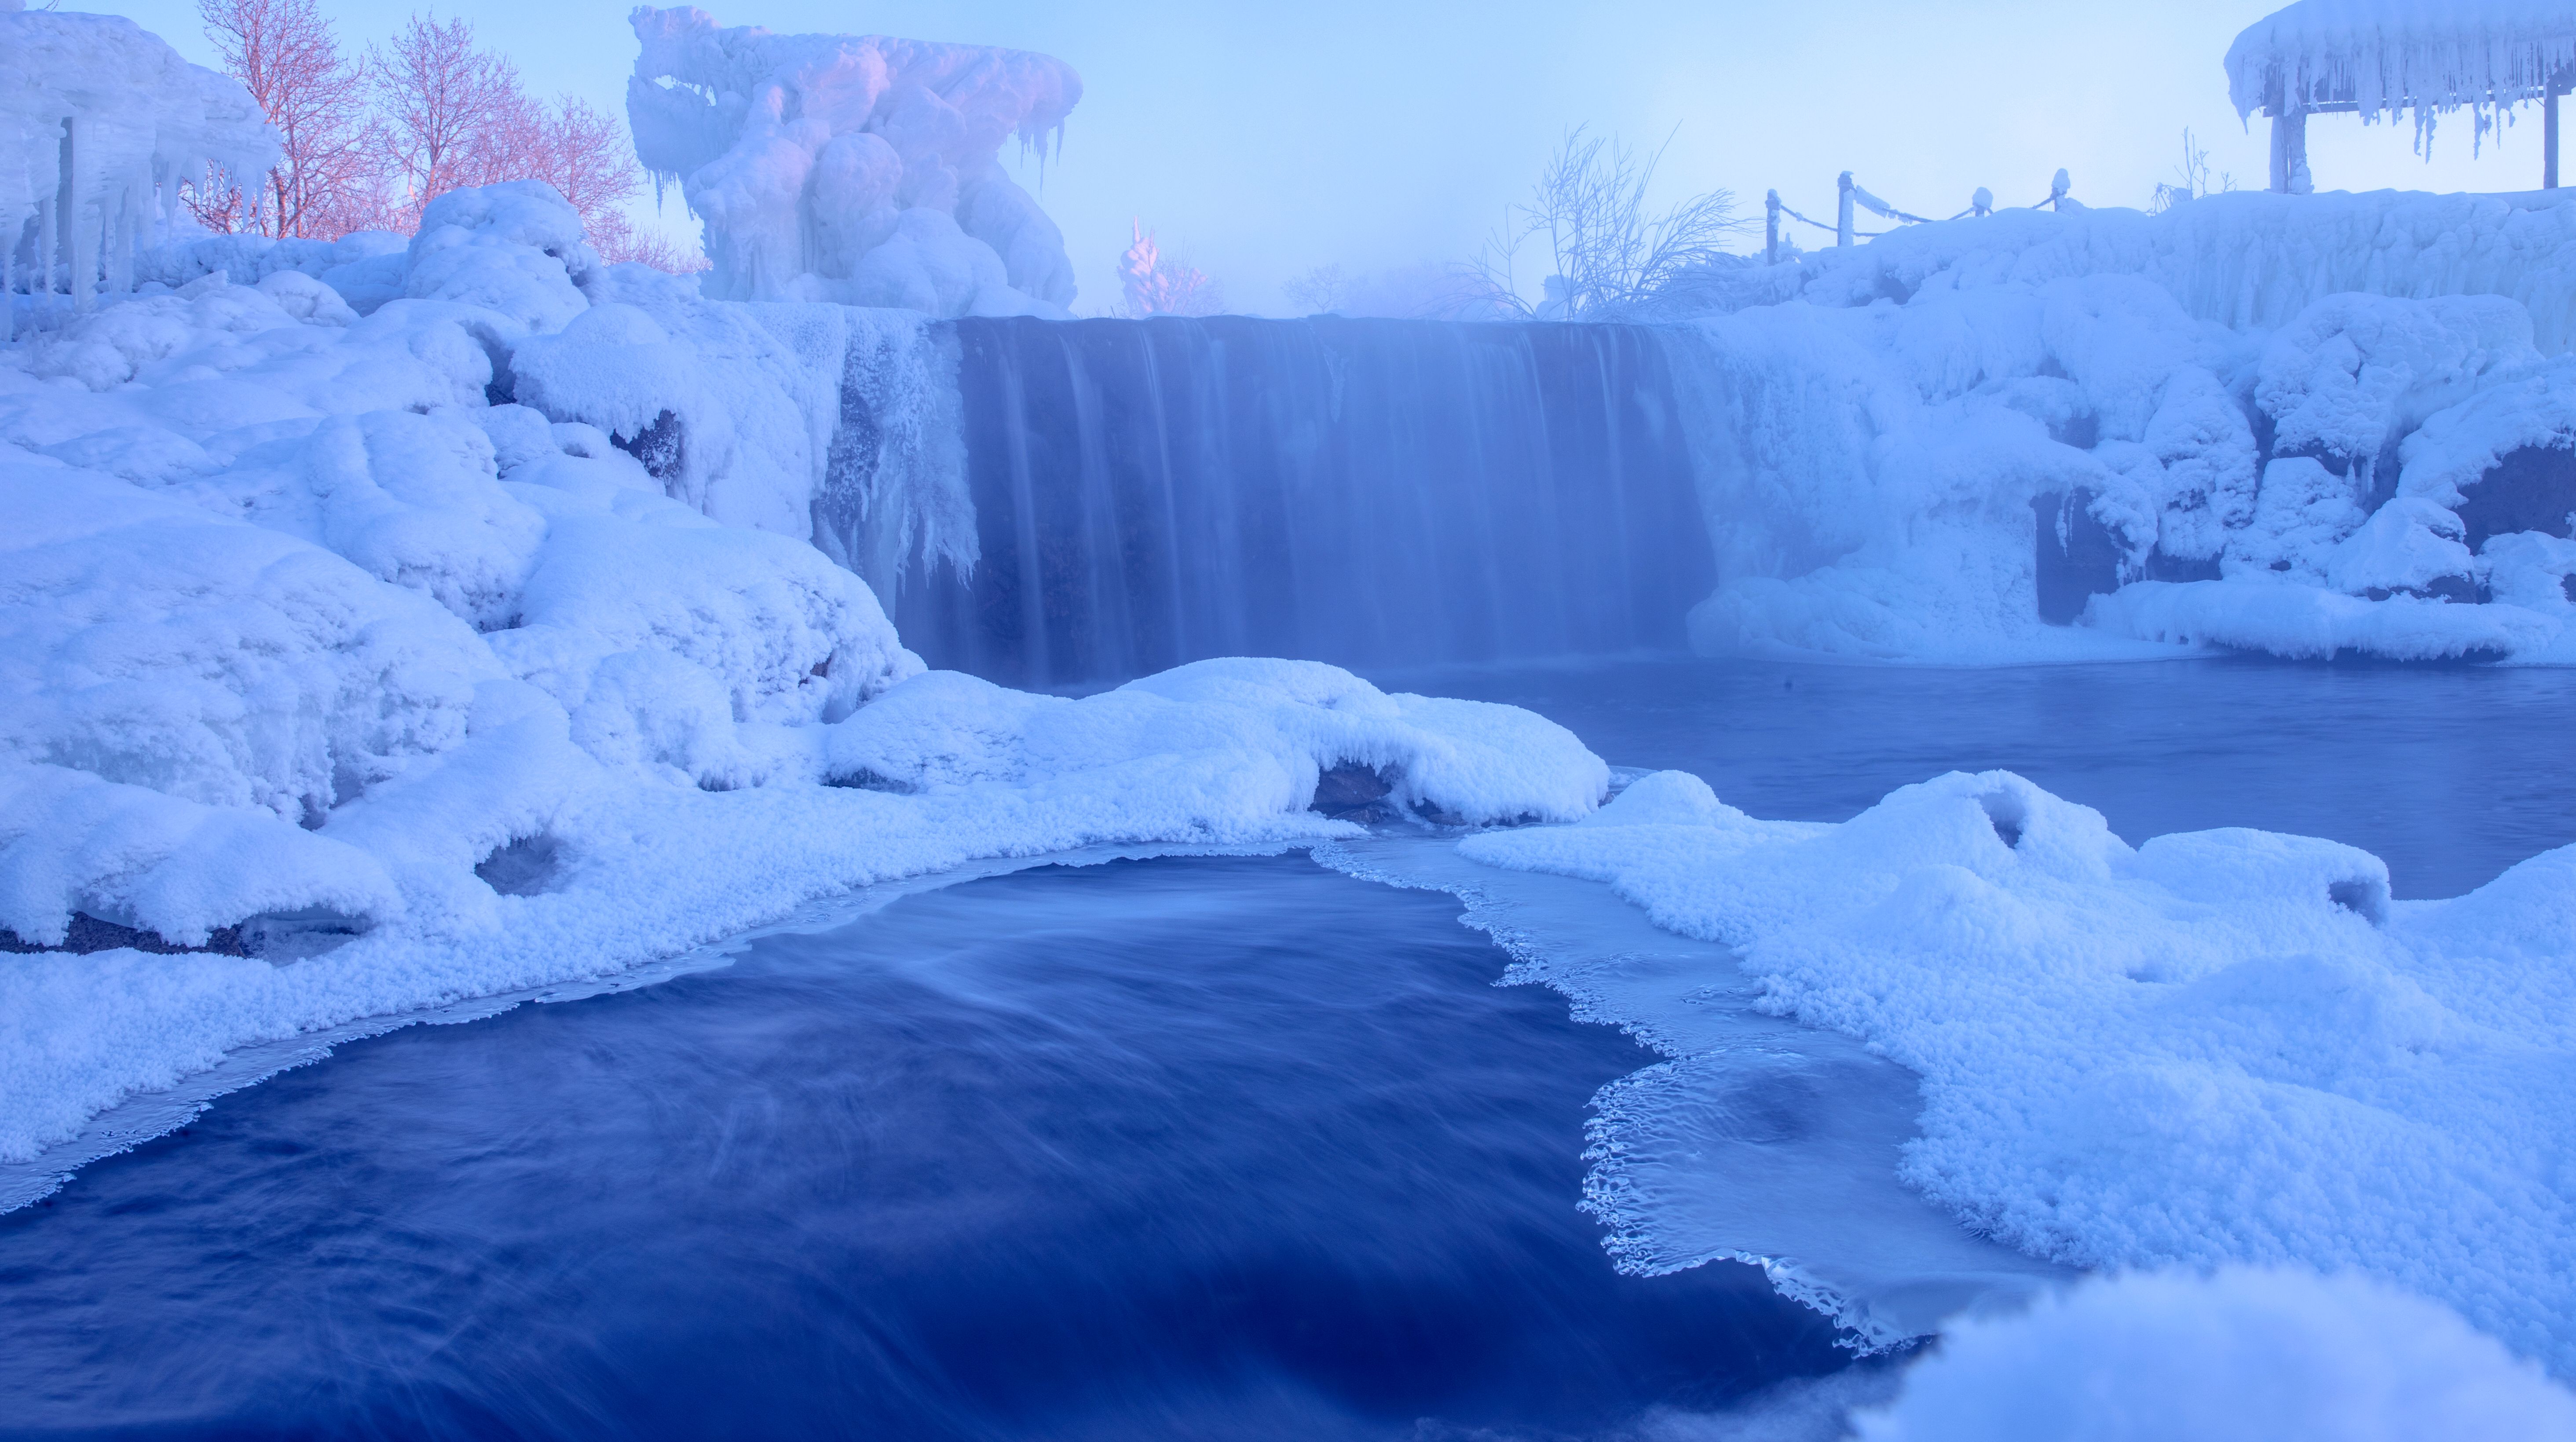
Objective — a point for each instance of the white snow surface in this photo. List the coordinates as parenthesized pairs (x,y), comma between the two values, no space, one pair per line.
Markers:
(855,168)
(2241,1355)
(2215,1048)
(304,618)
(2272,408)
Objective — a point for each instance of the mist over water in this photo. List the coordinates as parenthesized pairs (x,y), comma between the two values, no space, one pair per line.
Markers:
(1179,1148)
(1365,492)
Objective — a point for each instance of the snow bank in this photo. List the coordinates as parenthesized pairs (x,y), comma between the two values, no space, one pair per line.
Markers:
(861,169)
(2299,424)
(2243,1355)
(2218,1047)
(99,122)
(394,626)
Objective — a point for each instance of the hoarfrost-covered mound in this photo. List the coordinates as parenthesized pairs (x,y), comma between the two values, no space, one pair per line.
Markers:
(416,625)
(2301,424)
(130,119)
(2243,1355)
(855,168)
(2217,1047)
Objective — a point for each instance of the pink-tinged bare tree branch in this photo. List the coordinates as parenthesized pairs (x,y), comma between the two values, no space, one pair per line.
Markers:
(325,182)
(450,114)
(1158,284)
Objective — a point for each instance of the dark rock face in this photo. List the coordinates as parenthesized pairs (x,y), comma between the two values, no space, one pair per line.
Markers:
(89,934)
(524,867)
(2078,556)
(1353,793)
(2532,489)
(660,446)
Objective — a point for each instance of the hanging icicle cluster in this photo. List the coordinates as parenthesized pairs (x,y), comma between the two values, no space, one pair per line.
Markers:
(2387,58)
(100,122)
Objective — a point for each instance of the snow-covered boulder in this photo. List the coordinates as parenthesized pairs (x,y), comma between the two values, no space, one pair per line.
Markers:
(854,168)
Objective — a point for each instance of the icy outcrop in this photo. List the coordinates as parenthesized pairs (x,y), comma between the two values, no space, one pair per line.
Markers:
(860,169)
(2300,424)
(100,121)
(2430,57)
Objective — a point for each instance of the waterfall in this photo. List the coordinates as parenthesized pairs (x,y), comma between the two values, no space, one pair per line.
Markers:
(1374,493)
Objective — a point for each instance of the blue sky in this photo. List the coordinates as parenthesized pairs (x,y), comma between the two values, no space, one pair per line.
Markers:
(1262,140)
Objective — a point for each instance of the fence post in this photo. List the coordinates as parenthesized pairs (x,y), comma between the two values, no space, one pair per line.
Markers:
(2057,190)
(1771,228)
(1983,202)
(1843,220)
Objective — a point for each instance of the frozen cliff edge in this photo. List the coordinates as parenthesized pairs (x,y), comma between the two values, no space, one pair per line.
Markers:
(2300,424)
(354,671)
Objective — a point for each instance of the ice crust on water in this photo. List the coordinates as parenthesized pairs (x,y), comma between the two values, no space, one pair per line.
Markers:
(362,605)
(2216,1047)
(855,168)
(2277,413)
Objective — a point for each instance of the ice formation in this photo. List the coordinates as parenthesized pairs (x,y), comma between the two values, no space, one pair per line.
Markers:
(447,617)
(2215,1047)
(100,121)
(2243,1355)
(861,169)
(2300,424)
(2388,57)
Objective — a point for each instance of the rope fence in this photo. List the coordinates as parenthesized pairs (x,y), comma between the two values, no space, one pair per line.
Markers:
(1981,203)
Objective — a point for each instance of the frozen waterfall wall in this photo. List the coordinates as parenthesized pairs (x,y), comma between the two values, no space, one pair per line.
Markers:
(1375,493)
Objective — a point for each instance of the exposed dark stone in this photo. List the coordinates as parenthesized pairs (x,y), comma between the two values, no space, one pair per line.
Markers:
(2161,567)
(2366,897)
(865,780)
(89,934)
(2077,555)
(524,867)
(2531,489)
(2461,589)
(660,446)
(1351,792)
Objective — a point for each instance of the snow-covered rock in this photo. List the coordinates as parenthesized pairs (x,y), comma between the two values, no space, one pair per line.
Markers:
(2216,1047)
(2285,423)
(855,168)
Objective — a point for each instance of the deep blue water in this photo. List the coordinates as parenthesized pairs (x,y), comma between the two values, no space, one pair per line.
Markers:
(1186,1148)
(2448,773)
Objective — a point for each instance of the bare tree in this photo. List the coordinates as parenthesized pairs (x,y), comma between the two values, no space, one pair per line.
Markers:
(1159,284)
(325,182)
(2196,176)
(451,114)
(1318,291)
(1607,251)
